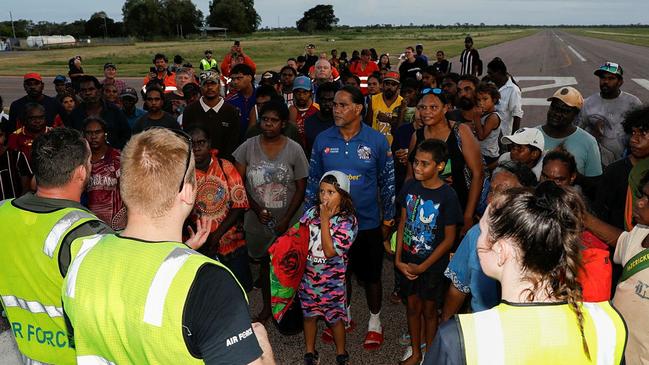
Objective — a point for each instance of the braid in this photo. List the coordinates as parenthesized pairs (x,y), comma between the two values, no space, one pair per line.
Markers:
(573,290)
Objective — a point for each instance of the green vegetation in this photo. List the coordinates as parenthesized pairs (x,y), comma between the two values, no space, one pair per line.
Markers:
(632,35)
(268,49)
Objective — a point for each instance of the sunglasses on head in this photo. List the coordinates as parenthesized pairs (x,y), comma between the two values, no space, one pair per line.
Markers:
(188,139)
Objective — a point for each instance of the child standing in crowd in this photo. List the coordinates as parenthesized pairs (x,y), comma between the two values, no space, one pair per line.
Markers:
(430,211)
(333,228)
(488,130)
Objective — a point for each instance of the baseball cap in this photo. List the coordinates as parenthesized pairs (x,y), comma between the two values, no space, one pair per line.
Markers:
(129,92)
(32,76)
(60,78)
(208,51)
(302,82)
(610,67)
(392,76)
(271,76)
(109,65)
(209,76)
(468,39)
(523,136)
(570,96)
(341,179)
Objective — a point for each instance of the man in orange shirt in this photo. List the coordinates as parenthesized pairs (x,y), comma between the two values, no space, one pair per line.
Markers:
(363,68)
(161,72)
(235,57)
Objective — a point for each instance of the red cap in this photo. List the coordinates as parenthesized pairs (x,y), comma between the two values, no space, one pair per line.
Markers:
(391,75)
(33,76)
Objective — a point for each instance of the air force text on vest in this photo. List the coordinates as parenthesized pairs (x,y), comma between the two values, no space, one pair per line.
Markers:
(234,339)
(34,333)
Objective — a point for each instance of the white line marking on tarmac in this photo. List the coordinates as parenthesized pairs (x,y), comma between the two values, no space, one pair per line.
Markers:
(642,82)
(535,101)
(581,58)
(558,82)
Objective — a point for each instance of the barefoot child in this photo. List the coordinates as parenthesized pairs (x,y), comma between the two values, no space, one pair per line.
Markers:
(430,211)
(488,130)
(332,230)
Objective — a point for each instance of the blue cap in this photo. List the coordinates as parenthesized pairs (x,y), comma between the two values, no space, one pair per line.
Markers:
(302,82)
(60,78)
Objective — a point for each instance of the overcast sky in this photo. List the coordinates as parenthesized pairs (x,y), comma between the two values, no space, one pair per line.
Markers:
(362,12)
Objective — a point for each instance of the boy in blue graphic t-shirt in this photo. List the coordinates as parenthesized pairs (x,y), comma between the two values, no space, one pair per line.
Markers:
(430,211)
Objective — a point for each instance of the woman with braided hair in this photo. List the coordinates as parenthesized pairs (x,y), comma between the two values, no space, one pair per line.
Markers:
(530,243)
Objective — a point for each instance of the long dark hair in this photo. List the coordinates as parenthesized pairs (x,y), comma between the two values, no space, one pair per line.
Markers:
(346,208)
(546,224)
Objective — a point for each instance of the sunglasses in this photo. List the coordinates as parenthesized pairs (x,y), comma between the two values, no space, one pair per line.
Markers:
(431,90)
(188,139)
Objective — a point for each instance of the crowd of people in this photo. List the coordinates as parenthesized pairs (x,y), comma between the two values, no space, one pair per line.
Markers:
(511,245)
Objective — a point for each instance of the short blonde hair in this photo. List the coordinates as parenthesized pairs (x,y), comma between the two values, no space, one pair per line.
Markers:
(152,165)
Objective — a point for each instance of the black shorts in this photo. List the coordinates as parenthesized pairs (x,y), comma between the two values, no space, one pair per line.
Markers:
(366,255)
(430,285)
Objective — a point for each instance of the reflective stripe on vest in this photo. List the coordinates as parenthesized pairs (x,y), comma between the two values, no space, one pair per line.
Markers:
(60,228)
(28,361)
(606,334)
(157,295)
(363,81)
(32,306)
(93,360)
(490,348)
(73,271)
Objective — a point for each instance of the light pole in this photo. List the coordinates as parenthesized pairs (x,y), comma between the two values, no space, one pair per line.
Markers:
(103,16)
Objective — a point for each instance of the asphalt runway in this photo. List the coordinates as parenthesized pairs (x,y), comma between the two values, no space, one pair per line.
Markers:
(541,63)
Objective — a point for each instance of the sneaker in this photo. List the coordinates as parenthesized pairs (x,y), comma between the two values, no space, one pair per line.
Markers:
(407,354)
(311,358)
(342,359)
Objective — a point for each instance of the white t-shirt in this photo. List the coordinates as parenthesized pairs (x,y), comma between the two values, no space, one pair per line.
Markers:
(536,169)
(632,297)
(509,106)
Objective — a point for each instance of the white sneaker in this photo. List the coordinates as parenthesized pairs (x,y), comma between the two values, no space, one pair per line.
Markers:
(407,354)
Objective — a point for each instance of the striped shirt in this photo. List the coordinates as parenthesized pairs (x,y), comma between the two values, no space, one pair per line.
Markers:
(468,59)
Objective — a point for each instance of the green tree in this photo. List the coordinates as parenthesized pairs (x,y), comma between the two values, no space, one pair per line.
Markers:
(182,14)
(318,18)
(99,25)
(144,18)
(239,16)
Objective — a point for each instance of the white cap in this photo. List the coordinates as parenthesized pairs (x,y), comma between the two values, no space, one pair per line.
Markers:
(341,179)
(531,136)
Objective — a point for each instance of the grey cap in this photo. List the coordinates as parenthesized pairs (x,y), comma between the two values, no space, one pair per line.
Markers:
(341,178)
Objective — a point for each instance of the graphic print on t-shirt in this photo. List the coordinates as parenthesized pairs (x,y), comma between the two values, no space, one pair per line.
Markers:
(316,253)
(268,181)
(419,235)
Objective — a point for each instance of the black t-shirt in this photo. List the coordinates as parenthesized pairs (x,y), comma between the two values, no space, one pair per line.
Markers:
(310,61)
(167,121)
(119,131)
(17,109)
(13,166)
(313,126)
(216,321)
(409,70)
(611,193)
(442,66)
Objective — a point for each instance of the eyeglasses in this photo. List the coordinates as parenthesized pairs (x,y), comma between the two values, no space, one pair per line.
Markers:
(187,138)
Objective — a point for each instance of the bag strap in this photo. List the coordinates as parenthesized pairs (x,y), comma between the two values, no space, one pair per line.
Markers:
(637,263)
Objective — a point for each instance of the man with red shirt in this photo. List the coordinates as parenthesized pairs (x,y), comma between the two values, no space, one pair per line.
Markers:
(363,68)
(303,106)
(35,125)
(161,73)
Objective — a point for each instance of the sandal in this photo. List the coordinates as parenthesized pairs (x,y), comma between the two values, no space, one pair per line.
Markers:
(373,340)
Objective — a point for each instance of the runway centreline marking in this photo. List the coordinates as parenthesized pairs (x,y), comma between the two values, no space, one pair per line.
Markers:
(581,58)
